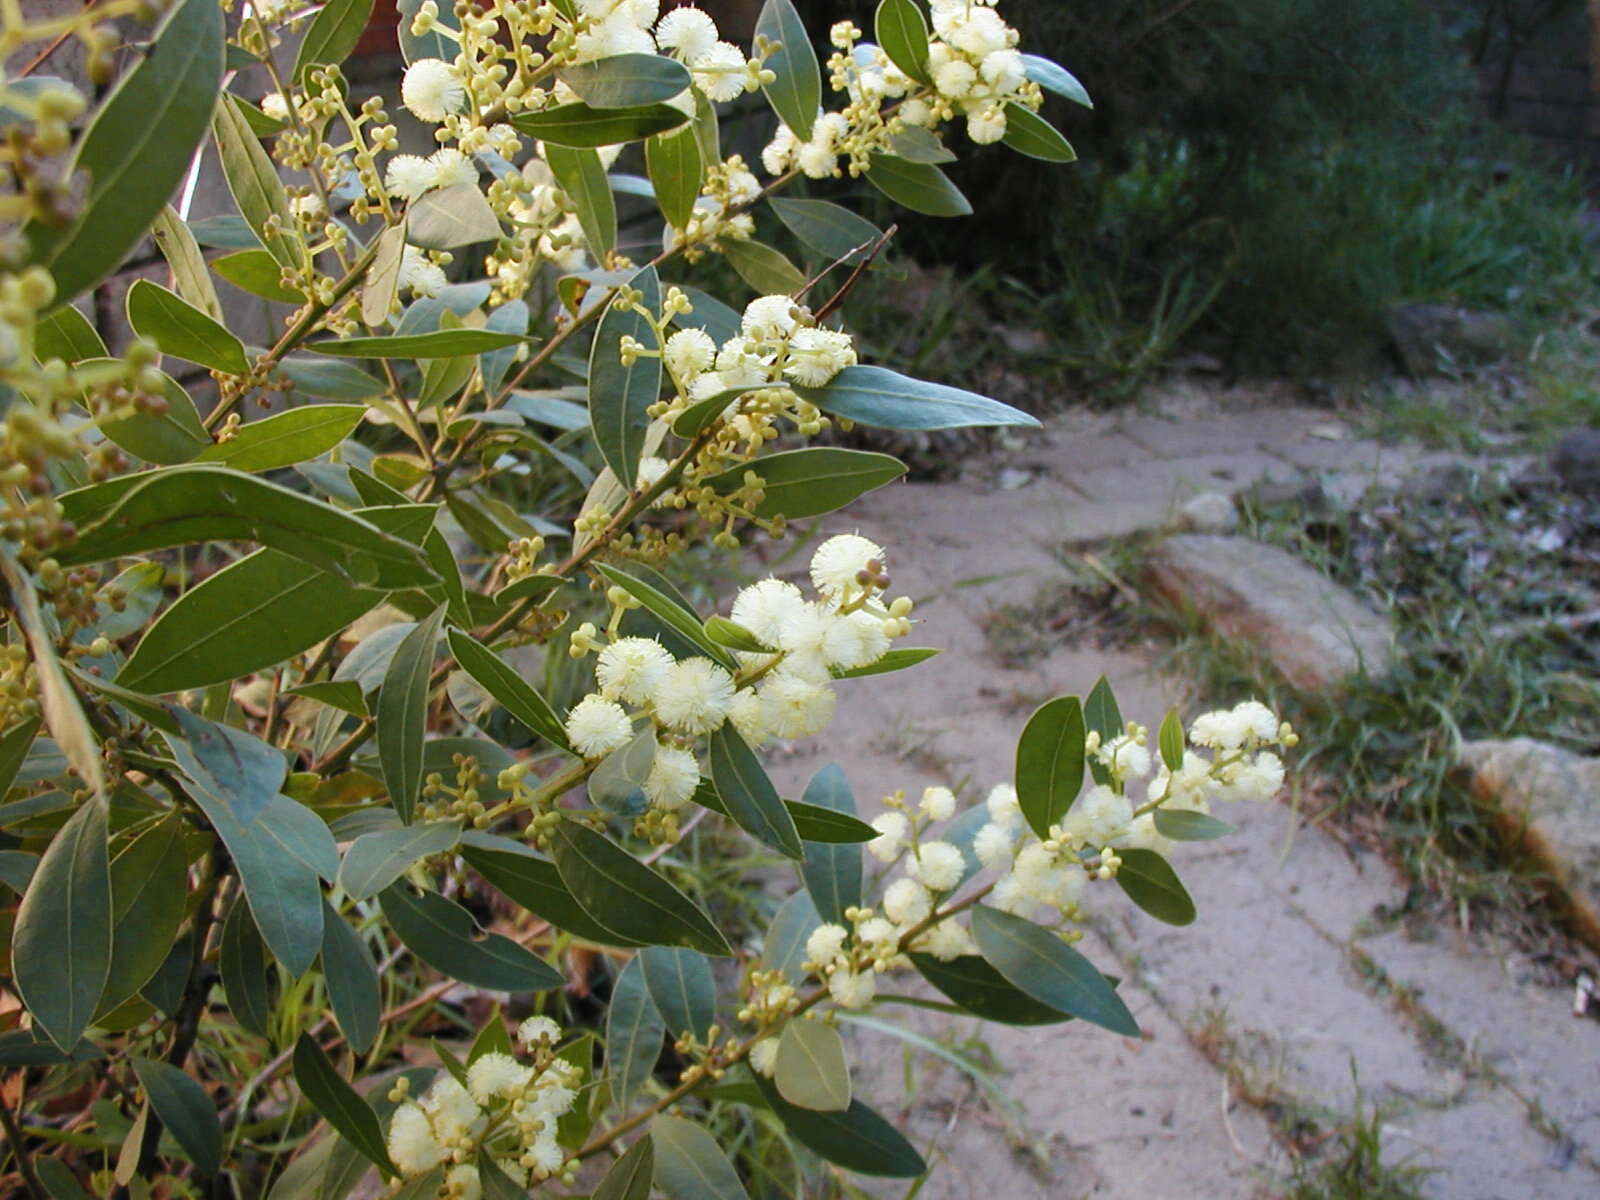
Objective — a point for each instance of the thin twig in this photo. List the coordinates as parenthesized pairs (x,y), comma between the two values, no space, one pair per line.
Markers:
(24,1161)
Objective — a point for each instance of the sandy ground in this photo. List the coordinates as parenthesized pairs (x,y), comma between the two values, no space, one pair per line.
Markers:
(1291,1000)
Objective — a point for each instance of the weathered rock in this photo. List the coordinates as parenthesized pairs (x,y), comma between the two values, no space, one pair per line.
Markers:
(1433,337)
(1575,459)
(1315,632)
(1546,803)
(1209,512)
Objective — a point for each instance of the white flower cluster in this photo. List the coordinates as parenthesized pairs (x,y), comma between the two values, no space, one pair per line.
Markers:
(975,71)
(1053,872)
(502,1096)
(784,693)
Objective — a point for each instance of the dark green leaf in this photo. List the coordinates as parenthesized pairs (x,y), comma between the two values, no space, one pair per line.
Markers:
(494,1183)
(634,1031)
(626,80)
(748,794)
(442,934)
(1039,963)
(832,873)
(818,824)
(1183,826)
(58,1179)
(61,946)
(206,503)
(1049,770)
(535,884)
(811,481)
(190,275)
(702,414)
(258,611)
(381,287)
(14,747)
(1030,134)
(677,618)
(352,982)
(689,1165)
(339,1103)
(763,268)
(183,330)
(451,217)
(857,1138)
(903,34)
(68,335)
(330,380)
(1171,740)
(165,438)
(1101,715)
(785,946)
(375,860)
(16,869)
(887,400)
(402,713)
(332,35)
(982,991)
(734,636)
(280,855)
(253,181)
(166,987)
(1154,886)
(921,187)
(631,1176)
(288,438)
(149,879)
(229,763)
(580,126)
(508,688)
(895,660)
(582,176)
(185,1109)
(257,272)
(918,145)
(244,965)
(681,988)
(30,1048)
(136,150)
(1054,78)
(811,1070)
(440,343)
(619,395)
(227,231)
(622,893)
(836,233)
(676,171)
(493,1038)
(796,93)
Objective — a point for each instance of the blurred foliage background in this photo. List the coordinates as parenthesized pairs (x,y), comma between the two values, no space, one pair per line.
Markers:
(1262,182)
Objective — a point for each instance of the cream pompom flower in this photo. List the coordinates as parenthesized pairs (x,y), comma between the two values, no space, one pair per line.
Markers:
(689,353)
(409,176)
(432,90)
(631,669)
(764,1055)
(536,1030)
(768,318)
(451,167)
(946,941)
(766,607)
(906,902)
(856,639)
(853,989)
(694,696)
(825,943)
(721,72)
(496,1076)
(673,777)
(893,830)
(419,274)
(986,123)
(412,1145)
(1004,808)
(839,561)
(817,355)
(748,712)
(797,706)
(937,865)
(687,31)
(938,803)
(597,726)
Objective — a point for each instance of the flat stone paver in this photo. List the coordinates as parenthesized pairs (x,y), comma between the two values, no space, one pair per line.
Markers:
(1284,991)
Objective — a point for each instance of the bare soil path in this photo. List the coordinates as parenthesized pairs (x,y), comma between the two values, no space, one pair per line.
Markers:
(1292,998)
